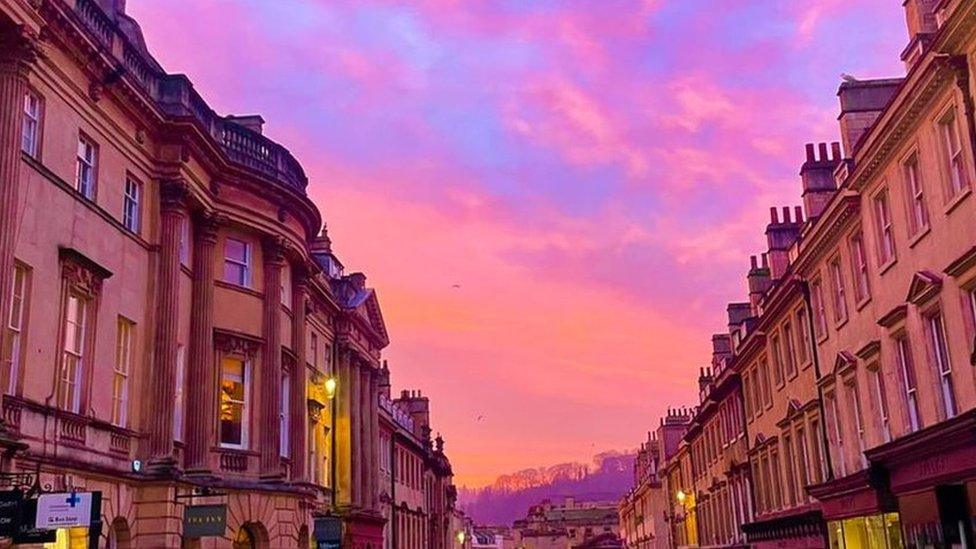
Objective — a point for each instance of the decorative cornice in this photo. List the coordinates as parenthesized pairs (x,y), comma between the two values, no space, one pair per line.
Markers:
(869,349)
(962,264)
(924,286)
(892,317)
(231,342)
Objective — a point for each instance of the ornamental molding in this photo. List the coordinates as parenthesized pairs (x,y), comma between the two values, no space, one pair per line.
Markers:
(924,286)
(236,343)
(81,272)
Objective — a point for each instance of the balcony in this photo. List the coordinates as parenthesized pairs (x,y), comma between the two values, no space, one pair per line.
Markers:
(175,95)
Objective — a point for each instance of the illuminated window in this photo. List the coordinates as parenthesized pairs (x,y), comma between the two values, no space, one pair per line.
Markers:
(237,262)
(86,167)
(234,389)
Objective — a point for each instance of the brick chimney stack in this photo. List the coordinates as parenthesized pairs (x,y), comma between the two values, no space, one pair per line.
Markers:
(922,26)
(780,235)
(418,406)
(817,175)
(759,282)
(705,379)
(861,102)
(738,313)
(721,349)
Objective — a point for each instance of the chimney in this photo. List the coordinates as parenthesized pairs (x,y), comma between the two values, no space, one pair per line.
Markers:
(780,235)
(704,380)
(738,313)
(922,26)
(253,122)
(861,102)
(384,379)
(418,406)
(721,349)
(817,175)
(759,282)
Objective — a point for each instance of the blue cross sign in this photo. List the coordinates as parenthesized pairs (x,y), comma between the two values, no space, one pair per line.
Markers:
(73,499)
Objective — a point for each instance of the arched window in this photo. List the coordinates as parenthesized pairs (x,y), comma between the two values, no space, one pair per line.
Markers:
(119,536)
(244,538)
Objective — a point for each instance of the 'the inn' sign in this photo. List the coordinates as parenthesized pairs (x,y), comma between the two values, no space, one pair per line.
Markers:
(201,521)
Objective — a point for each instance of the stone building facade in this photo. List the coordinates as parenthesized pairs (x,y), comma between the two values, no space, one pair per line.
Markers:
(642,511)
(418,494)
(853,357)
(174,318)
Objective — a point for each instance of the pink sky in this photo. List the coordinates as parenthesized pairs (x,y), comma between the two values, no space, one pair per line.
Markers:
(593,174)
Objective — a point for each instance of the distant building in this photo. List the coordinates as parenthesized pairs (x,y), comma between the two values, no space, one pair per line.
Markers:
(568,526)
(642,510)
(492,537)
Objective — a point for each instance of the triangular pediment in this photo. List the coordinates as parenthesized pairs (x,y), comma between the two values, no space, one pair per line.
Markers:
(844,362)
(924,286)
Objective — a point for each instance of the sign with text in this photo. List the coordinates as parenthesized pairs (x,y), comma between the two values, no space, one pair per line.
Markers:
(201,521)
(26,532)
(10,502)
(328,533)
(63,510)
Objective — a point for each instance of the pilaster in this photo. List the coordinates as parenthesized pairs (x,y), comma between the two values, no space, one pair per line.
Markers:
(298,407)
(270,427)
(173,195)
(202,387)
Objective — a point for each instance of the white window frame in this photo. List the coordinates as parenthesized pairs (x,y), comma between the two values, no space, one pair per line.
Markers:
(840,296)
(15,325)
(31,130)
(943,362)
(789,349)
(284,417)
(131,205)
(86,171)
(884,228)
(918,212)
(909,378)
(854,396)
(776,358)
(179,408)
(881,393)
(803,330)
(953,150)
(838,433)
(245,403)
(819,308)
(73,360)
(121,371)
(244,266)
(859,267)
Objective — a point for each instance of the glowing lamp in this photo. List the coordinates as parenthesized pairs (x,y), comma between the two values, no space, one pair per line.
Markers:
(330,387)
(681,496)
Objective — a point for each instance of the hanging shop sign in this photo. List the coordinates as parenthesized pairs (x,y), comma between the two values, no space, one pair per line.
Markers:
(201,521)
(10,502)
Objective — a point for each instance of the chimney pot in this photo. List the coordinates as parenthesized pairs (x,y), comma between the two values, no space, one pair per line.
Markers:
(810,154)
(798,210)
(773,215)
(835,151)
(786,214)
(823,152)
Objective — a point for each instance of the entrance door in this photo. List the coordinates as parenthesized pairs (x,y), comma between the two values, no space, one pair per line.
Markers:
(954,514)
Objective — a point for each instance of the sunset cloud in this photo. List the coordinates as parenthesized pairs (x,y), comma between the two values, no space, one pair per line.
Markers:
(592,174)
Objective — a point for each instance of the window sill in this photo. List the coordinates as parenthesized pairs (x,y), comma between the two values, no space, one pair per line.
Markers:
(823,337)
(838,324)
(806,365)
(956,200)
(238,288)
(887,265)
(861,304)
(919,235)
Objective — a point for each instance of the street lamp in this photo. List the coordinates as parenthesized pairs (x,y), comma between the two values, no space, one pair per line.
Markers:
(681,496)
(330,392)
(460,537)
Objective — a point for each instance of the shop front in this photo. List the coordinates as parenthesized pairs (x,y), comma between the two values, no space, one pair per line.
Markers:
(860,511)
(932,476)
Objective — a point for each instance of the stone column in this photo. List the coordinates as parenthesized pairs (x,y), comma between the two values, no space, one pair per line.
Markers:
(366,452)
(201,390)
(355,433)
(298,408)
(374,435)
(343,424)
(270,427)
(173,194)
(17,53)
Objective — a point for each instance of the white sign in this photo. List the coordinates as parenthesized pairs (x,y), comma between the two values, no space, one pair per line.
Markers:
(65,510)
